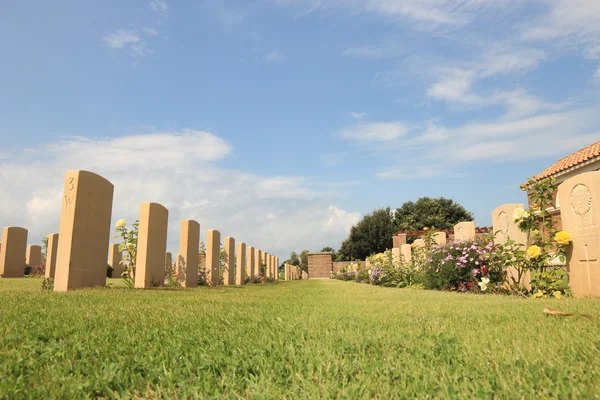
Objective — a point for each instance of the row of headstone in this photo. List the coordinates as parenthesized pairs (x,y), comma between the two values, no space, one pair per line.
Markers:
(292,273)
(79,258)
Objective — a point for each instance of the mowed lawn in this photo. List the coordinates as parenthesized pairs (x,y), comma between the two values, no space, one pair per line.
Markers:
(302,339)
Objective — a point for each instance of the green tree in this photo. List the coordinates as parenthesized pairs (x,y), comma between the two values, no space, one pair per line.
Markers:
(304,260)
(372,234)
(440,212)
(293,260)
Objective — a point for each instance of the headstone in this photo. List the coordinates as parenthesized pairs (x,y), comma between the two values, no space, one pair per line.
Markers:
(250,260)
(286,272)
(168,262)
(12,253)
(580,213)
(51,256)
(406,251)
(229,271)
(34,257)
(151,246)
(213,252)
(420,243)
(189,247)
(399,239)
(114,260)
(440,238)
(257,261)
(504,226)
(84,231)
(277,268)
(396,259)
(464,231)
(240,269)
(265,265)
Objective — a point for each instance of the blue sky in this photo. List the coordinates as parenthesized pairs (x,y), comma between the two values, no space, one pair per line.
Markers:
(282,122)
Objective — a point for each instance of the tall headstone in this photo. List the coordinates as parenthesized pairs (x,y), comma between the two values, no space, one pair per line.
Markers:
(464,231)
(84,231)
(12,253)
(152,246)
(504,226)
(265,265)
(34,257)
(406,252)
(396,255)
(51,255)
(168,262)
(213,252)
(257,262)
(579,199)
(240,269)
(440,238)
(229,271)
(189,247)
(114,260)
(250,261)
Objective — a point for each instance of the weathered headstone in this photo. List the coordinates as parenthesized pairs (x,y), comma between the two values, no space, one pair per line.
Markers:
(240,269)
(440,238)
(114,260)
(34,257)
(464,231)
(213,252)
(503,222)
(406,252)
(229,271)
(84,231)
(257,261)
(12,253)
(51,256)
(189,247)
(250,260)
(580,213)
(151,246)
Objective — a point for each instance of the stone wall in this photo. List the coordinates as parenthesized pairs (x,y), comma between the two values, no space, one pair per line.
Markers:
(320,265)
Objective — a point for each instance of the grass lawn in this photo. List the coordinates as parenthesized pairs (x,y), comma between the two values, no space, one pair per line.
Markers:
(302,339)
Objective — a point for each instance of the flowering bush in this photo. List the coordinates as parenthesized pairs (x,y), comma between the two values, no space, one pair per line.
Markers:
(129,239)
(464,266)
(386,271)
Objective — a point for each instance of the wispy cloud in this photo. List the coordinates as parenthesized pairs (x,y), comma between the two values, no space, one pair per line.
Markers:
(274,57)
(357,115)
(150,31)
(122,39)
(160,6)
(374,132)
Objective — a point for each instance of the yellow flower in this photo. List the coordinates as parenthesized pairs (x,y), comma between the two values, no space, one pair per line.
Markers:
(525,214)
(129,246)
(563,237)
(426,229)
(534,252)
(413,245)
(518,213)
(557,294)
(121,223)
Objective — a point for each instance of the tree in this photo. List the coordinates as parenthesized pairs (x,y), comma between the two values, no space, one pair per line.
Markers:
(329,250)
(304,260)
(293,260)
(440,213)
(372,234)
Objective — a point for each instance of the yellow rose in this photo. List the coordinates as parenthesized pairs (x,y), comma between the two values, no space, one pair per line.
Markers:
(413,245)
(121,223)
(426,229)
(557,294)
(534,252)
(525,214)
(563,237)
(518,213)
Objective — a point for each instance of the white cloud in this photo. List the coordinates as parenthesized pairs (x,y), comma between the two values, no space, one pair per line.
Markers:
(274,57)
(121,39)
(441,150)
(178,170)
(453,86)
(160,6)
(150,31)
(356,115)
(597,76)
(364,52)
(375,132)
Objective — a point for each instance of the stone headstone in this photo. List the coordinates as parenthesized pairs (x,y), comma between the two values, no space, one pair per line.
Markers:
(151,246)
(504,226)
(396,259)
(240,268)
(406,252)
(265,265)
(250,260)
(464,231)
(440,238)
(420,243)
(84,231)
(189,247)
(34,257)
(229,271)
(579,199)
(12,253)
(213,253)
(114,260)
(257,261)
(51,255)
(399,239)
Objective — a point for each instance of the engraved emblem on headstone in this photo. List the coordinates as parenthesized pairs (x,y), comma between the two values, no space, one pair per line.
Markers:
(503,222)
(581,200)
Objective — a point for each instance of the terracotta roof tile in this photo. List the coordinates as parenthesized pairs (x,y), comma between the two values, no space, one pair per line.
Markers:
(572,160)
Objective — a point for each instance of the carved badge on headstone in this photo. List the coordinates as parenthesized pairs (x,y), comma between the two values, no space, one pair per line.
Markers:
(581,200)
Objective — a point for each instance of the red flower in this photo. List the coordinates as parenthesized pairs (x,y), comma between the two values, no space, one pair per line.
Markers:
(469,284)
(485,270)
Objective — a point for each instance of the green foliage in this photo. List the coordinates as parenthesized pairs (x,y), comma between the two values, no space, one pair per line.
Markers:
(294,259)
(109,271)
(440,212)
(550,283)
(45,247)
(318,339)
(129,240)
(372,234)
(304,260)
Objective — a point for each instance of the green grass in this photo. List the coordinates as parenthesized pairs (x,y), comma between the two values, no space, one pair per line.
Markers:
(303,339)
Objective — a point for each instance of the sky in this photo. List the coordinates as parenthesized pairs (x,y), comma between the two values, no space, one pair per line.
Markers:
(283,122)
